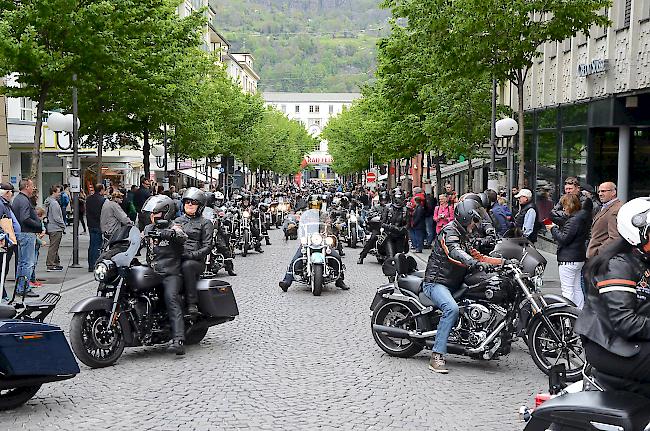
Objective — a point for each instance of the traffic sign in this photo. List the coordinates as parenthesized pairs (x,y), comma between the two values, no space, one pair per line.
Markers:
(371,177)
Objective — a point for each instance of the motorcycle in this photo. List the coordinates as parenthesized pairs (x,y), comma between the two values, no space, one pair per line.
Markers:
(317,267)
(404,320)
(260,222)
(281,211)
(245,237)
(129,308)
(216,260)
(355,231)
(32,352)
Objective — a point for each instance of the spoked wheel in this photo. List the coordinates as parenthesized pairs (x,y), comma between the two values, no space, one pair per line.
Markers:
(95,342)
(395,314)
(547,351)
(16,397)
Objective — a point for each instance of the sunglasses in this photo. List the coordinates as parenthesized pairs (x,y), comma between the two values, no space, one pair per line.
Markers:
(191,202)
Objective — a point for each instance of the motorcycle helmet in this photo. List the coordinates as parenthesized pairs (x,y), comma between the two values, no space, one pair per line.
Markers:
(161,207)
(481,198)
(384,197)
(398,198)
(218,198)
(633,221)
(467,211)
(194,194)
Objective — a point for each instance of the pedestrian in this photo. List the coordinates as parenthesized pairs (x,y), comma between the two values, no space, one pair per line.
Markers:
(94,205)
(502,216)
(443,213)
(55,227)
(603,228)
(64,201)
(452,196)
(526,218)
(430,224)
(82,210)
(571,186)
(589,193)
(113,216)
(544,205)
(30,225)
(571,251)
(12,229)
(418,225)
(140,197)
(515,203)
(40,242)
(130,205)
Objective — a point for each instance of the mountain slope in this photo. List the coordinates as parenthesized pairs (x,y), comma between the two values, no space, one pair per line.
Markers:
(306,45)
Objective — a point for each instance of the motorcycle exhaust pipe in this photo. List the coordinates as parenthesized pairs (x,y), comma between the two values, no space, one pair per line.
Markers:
(454,349)
(391,331)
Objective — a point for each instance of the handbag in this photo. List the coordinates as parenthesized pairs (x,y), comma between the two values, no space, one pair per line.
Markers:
(6,224)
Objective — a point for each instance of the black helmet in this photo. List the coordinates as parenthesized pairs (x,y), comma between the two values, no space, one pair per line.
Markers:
(384,197)
(398,198)
(481,198)
(160,204)
(194,194)
(467,211)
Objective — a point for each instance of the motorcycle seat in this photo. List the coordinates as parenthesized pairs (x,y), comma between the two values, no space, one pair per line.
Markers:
(411,283)
(7,311)
(615,410)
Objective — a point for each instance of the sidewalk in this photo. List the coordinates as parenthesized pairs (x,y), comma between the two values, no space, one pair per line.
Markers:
(551,274)
(64,280)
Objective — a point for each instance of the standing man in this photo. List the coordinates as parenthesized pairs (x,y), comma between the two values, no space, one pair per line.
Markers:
(30,225)
(571,186)
(526,218)
(452,196)
(55,228)
(603,228)
(94,205)
(6,194)
(139,198)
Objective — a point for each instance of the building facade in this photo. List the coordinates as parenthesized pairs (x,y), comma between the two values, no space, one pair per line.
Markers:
(587,104)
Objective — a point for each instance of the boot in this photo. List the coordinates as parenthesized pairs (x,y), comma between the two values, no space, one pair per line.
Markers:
(341,284)
(286,282)
(268,241)
(230,269)
(192,310)
(259,249)
(177,347)
(438,364)
(231,272)
(360,261)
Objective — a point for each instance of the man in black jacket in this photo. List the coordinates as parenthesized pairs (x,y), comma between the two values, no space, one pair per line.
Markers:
(94,205)
(140,197)
(30,225)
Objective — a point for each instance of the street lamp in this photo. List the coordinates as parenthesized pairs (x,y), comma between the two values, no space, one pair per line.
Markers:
(70,123)
(504,130)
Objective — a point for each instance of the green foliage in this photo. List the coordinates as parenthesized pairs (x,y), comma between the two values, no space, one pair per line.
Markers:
(306,45)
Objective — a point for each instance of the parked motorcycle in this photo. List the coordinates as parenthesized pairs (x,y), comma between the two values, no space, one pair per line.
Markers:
(129,308)
(317,267)
(32,352)
(404,320)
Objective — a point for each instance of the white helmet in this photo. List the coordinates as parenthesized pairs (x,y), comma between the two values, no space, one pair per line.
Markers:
(218,196)
(633,221)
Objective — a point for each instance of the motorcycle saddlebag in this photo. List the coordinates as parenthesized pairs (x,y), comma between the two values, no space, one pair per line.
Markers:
(614,410)
(33,349)
(216,298)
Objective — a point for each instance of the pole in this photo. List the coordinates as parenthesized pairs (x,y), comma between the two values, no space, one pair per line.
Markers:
(165,149)
(75,168)
(493,132)
(511,173)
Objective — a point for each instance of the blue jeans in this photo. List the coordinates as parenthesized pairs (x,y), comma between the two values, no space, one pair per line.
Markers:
(94,247)
(440,295)
(431,230)
(26,260)
(417,238)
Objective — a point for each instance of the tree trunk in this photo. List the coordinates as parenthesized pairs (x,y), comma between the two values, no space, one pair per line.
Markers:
(146,150)
(470,176)
(100,154)
(36,149)
(439,184)
(522,136)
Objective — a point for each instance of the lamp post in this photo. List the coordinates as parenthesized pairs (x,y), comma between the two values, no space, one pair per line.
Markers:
(504,130)
(70,124)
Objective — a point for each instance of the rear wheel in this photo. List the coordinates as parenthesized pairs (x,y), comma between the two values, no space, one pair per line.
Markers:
(317,279)
(94,340)
(16,397)
(558,344)
(395,314)
(195,335)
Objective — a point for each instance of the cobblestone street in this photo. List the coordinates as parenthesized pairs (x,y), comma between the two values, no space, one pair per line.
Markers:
(289,361)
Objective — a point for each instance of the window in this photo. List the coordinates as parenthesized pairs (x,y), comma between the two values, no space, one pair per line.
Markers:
(317,108)
(624,13)
(574,155)
(297,109)
(566,45)
(552,49)
(331,109)
(26,111)
(581,39)
(283,108)
(311,109)
(602,31)
(547,163)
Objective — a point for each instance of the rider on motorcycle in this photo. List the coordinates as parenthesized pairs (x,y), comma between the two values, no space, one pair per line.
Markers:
(315,202)
(615,320)
(377,210)
(255,232)
(451,258)
(198,245)
(165,244)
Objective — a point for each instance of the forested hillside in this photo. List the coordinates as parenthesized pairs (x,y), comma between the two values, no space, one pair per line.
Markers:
(306,45)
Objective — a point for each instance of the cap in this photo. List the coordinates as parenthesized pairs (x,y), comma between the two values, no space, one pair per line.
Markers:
(588,188)
(417,190)
(6,186)
(524,192)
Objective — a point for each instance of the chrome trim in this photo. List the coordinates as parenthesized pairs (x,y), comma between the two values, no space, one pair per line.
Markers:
(606,427)
(489,339)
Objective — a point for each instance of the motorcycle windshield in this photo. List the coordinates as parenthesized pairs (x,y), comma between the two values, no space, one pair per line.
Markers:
(311,222)
(125,258)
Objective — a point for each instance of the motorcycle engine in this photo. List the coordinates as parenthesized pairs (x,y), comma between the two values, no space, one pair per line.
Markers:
(477,321)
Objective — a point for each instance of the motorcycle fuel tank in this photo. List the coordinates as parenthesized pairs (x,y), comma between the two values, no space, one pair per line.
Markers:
(482,286)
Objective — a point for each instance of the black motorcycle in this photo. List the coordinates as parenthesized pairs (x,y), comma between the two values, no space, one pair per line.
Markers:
(404,320)
(217,259)
(129,308)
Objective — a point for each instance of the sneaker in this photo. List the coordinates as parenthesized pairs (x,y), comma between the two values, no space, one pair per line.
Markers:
(284,285)
(177,347)
(35,284)
(341,284)
(54,268)
(438,364)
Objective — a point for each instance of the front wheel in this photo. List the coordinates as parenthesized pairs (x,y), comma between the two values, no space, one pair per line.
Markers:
(16,397)
(247,244)
(94,340)
(352,243)
(317,279)
(395,314)
(195,335)
(553,341)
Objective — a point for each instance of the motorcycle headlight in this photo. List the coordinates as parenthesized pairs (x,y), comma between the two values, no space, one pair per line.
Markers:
(353,218)
(105,271)
(246,214)
(303,240)
(316,239)
(329,241)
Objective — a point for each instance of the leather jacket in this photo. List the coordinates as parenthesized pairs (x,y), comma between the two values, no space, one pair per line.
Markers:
(616,313)
(164,247)
(571,238)
(394,220)
(199,232)
(452,257)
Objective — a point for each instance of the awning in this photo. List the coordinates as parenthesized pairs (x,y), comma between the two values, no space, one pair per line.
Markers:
(192,173)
